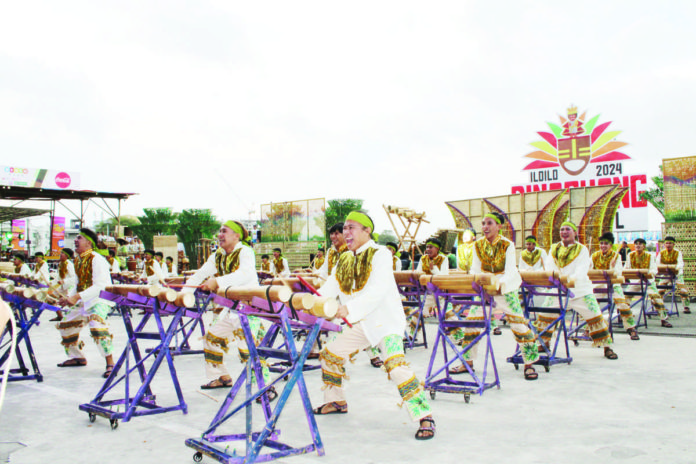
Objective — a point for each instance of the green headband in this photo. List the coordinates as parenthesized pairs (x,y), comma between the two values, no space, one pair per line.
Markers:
(531,240)
(361,218)
(86,237)
(431,243)
(235,228)
(392,247)
(570,224)
(670,241)
(492,216)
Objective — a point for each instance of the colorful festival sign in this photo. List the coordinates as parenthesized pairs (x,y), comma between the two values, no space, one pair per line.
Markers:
(38,178)
(582,152)
(58,235)
(19,234)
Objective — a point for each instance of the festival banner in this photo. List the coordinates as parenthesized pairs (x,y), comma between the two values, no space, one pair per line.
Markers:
(584,152)
(19,234)
(58,235)
(39,178)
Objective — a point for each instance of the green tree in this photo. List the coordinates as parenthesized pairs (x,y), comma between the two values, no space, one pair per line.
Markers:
(109,225)
(338,209)
(156,221)
(656,196)
(387,236)
(195,224)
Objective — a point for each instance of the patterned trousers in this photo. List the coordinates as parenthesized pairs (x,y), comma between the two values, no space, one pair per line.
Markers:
(629,321)
(217,341)
(588,308)
(349,342)
(509,304)
(683,291)
(655,298)
(76,319)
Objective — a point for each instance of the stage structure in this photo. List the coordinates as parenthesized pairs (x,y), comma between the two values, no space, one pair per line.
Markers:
(679,175)
(592,209)
(407,218)
(297,227)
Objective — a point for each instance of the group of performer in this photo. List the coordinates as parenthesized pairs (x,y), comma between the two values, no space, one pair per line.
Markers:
(359,274)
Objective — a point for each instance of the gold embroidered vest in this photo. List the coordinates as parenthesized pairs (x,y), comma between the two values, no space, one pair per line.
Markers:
(639,261)
(602,261)
(334,255)
(84,271)
(352,271)
(531,258)
(427,263)
(667,257)
(492,255)
(563,255)
(227,263)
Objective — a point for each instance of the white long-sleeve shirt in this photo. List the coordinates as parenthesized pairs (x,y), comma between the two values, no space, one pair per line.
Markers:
(41,273)
(244,276)
(156,277)
(538,266)
(576,270)
(377,306)
(679,263)
(286,269)
(509,279)
(70,281)
(101,278)
(442,269)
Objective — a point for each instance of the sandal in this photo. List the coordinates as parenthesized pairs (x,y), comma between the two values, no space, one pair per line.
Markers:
(376,362)
(634,334)
(461,369)
(497,331)
(73,362)
(337,409)
(426,432)
(217,383)
(530,373)
(667,324)
(108,371)
(687,310)
(609,353)
(271,394)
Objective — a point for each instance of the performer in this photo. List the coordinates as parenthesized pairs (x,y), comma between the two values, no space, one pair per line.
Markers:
(152,272)
(20,266)
(113,262)
(673,256)
(606,259)
(369,300)
(67,279)
(639,259)
(495,254)
(318,261)
(465,250)
(40,273)
(532,257)
(572,259)
(232,265)
(265,265)
(280,267)
(432,263)
(168,269)
(87,308)
(396,262)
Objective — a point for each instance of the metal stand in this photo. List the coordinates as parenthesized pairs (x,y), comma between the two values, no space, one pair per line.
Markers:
(413,294)
(143,401)
(604,292)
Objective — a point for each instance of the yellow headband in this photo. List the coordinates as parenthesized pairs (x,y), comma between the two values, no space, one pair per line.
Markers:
(361,218)
(570,224)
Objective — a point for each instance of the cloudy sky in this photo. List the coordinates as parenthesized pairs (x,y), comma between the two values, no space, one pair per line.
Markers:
(229,105)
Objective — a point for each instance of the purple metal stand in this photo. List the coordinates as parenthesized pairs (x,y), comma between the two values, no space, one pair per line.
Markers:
(642,300)
(414,294)
(556,290)
(666,283)
(24,324)
(438,377)
(287,320)
(135,370)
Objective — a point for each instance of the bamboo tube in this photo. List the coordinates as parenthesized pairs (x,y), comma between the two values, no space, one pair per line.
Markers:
(175,280)
(275,292)
(538,277)
(407,277)
(40,295)
(167,295)
(598,274)
(667,268)
(302,301)
(8,287)
(459,283)
(325,307)
(636,273)
(143,290)
(24,292)
(185,300)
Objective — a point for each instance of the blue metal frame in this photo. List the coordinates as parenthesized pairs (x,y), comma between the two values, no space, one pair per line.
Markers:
(603,287)
(642,300)
(414,294)
(666,283)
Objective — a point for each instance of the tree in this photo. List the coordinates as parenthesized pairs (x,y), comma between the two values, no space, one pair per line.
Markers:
(109,225)
(195,224)
(338,210)
(386,236)
(656,196)
(156,221)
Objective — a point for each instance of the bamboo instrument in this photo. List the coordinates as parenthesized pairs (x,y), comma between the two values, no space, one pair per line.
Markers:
(142,290)
(667,269)
(637,273)
(275,293)
(8,287)
(407,277)
(324,307)
(302,301)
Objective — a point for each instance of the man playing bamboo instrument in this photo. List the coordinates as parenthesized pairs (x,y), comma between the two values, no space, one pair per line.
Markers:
(432,263)
(639,259)
(572,260)
(40,273)
(606,259)
(20,266)
(232,265)
(672,256)
(338,246)
(67,278)
(87,308)
(280,266)
(532,257)
(152,272)
(465,250)
(318,261)
(396,262)
(495,254)
(113,261)
(369,300)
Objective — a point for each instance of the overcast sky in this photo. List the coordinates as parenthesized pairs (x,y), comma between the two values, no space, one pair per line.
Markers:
(229,105)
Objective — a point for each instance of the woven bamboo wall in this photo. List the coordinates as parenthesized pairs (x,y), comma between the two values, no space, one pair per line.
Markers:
(685,233)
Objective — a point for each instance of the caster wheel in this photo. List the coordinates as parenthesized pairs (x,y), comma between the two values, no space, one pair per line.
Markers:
(114,423)
(547,368)
(198,457)
(517,367)
(467,397)
(576,343)
(92,417)
(432,394)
